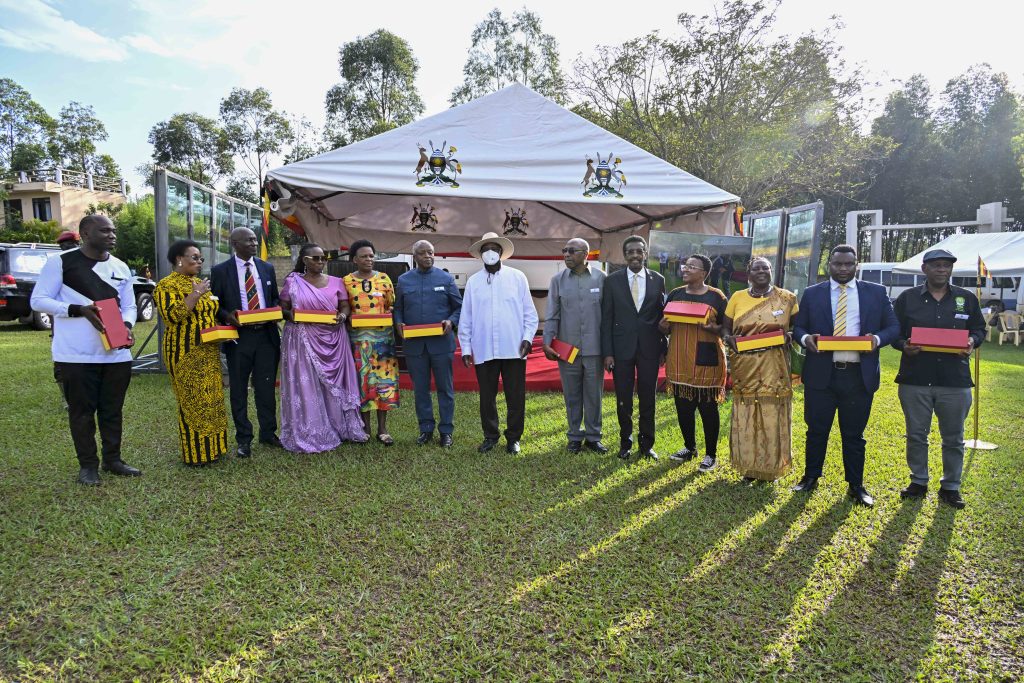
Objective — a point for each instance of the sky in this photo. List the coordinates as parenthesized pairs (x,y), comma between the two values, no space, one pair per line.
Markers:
(138,62)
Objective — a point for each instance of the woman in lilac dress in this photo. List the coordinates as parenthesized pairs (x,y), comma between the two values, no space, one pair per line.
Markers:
(319,385)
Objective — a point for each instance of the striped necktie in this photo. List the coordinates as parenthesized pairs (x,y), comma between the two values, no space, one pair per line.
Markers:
(251,295)
(840,323)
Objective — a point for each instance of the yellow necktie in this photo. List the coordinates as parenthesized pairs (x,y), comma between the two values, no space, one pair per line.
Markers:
(635,290)
(840,324)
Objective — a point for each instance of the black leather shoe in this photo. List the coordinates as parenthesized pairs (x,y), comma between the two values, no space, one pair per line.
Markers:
(487,445)
(596,446)
(89,476)
(914,491)
(273,442)
(574,446)
(121,469)
(624,452)
(512,448)
(426,437)
(244,450)
(447,441)
(649,453)
(806,485)
(860,496)
(952,498)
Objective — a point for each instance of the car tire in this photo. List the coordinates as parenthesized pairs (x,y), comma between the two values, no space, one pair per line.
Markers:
(145,307)
(41,321)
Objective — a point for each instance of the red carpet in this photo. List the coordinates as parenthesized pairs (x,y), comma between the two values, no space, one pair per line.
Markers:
(541,374)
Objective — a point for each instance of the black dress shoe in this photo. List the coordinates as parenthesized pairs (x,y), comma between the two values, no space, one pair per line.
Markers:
(121,469)
(914,491)
(574,446)
(624,452)
(425,438)
(596,446)
(244,450)
(487,445)
(806,485)
(860,496)
(649,453)
(89,476)
(273,442)
(952,498)
(447,441)
(512,447)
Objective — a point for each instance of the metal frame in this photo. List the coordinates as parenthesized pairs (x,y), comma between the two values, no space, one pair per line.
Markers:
(783,238)
(152,361)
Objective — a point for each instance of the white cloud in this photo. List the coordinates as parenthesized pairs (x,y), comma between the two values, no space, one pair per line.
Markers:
(35,26)
(145,43)
(143,82)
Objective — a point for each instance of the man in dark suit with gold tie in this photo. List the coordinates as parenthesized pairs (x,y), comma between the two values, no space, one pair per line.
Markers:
(633,348)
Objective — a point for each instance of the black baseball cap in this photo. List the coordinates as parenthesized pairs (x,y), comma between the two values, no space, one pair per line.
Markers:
(933,254)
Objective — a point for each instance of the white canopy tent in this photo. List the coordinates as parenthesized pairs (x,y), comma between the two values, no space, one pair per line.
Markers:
(1002,252)
(476,167)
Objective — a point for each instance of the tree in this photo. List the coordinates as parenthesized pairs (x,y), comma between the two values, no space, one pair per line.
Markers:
(772,119)
(254,130)
(104,165)
(24,124)
(195,144)
(29,156)
(242,187)
(503,52)
(136,233)
(378,88)
(78,131)
(307,141)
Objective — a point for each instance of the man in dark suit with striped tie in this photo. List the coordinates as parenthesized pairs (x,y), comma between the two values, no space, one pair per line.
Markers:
(245,282)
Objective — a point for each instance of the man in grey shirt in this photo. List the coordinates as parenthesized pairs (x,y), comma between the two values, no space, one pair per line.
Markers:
(574,317)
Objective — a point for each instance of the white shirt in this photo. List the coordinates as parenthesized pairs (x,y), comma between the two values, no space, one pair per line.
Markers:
(641,278)
(498,315)
(75,340)
(240,267)
(852,320)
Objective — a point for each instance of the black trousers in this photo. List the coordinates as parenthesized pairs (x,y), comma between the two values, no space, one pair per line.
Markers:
(847,395)
(255,355)
(640,373)
(513,378)
(686,413)
(95,392)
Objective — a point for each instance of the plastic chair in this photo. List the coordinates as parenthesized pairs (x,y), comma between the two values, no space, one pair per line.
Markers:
(1009,328)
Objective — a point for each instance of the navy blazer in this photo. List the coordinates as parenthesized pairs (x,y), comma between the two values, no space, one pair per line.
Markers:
(224,286)
(815,317)
(425,298)
(625,332)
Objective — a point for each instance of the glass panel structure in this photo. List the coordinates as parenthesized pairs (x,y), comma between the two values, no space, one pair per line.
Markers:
(177,210)
(799,247)
(223,223)
(766,233)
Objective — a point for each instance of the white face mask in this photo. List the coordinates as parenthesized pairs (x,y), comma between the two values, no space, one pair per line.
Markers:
(490,257)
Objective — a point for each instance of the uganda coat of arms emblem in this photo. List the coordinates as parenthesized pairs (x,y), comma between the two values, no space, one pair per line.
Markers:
(599,181)
(435,165)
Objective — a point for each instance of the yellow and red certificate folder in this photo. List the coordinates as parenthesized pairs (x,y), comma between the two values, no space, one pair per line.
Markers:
(371,320)
(260,315)
(565,350)
(115,334)
(939,340)
(845,343)
(428,330)
(218,333)
(761,341)
(689,312)
(322,317)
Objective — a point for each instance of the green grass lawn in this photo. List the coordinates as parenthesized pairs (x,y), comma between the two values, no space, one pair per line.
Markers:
(415,564)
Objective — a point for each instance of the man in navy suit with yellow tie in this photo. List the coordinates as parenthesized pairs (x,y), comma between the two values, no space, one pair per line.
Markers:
(841,381)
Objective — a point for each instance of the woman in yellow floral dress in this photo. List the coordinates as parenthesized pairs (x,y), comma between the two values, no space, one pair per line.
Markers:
(373,348)
(186,307)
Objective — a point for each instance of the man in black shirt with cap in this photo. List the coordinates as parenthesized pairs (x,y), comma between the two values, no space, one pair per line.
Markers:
(936,383)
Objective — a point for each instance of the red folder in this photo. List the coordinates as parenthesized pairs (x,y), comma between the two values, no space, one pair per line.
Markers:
(764,340)
(687,312)
(939,340)
(565,350)
(115,333)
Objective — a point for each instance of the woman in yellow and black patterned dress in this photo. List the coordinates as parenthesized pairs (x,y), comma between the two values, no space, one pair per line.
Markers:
(186,307)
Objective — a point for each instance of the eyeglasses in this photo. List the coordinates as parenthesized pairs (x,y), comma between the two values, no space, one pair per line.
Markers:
(316,258)
(573,250)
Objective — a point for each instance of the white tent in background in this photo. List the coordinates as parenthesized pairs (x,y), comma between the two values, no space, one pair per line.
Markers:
(477,167)
(1002,252)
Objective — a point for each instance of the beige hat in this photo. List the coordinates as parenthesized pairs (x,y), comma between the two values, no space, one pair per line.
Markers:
(507,248)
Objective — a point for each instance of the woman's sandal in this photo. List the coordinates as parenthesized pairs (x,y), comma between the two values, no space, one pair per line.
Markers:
(385,439)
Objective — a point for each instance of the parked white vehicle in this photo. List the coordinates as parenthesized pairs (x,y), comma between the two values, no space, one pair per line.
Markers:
(997,292)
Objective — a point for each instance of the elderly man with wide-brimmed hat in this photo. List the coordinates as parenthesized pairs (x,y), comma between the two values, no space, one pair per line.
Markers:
(496,333)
